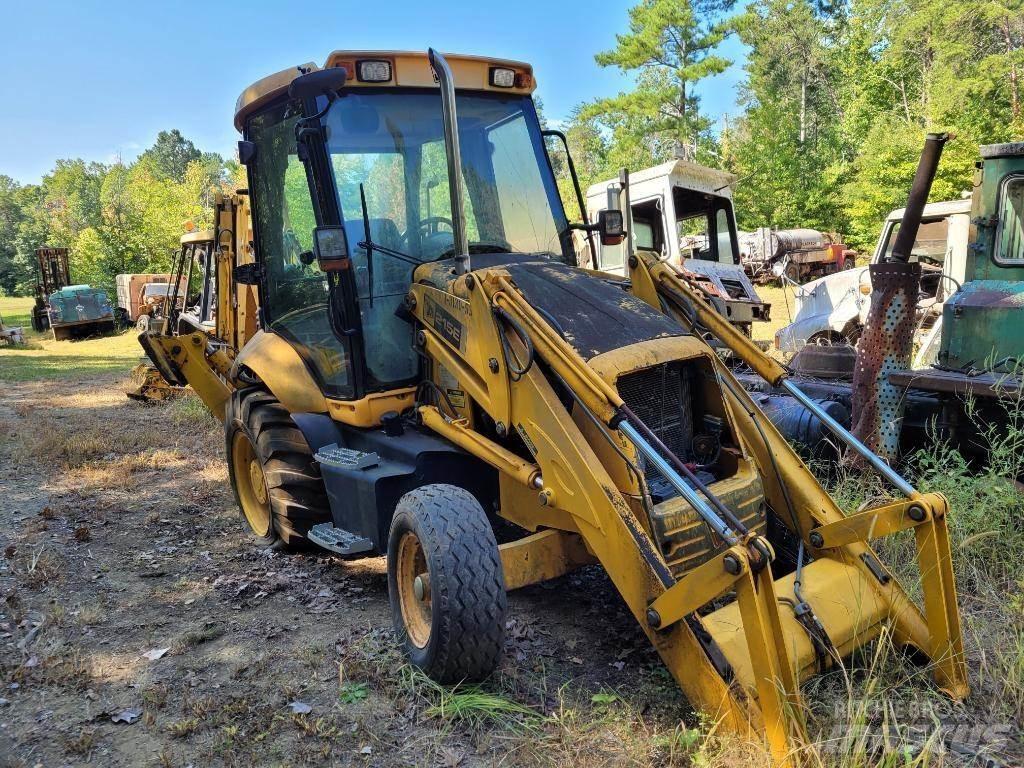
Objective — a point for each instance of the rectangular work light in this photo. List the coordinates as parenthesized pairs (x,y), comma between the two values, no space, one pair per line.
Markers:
(503,78)
(373,71)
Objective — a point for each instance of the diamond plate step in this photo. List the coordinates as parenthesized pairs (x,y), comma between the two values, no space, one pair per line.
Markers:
(338,540)
(346,458)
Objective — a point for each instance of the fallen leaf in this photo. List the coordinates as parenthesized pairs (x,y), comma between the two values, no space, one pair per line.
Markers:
(366,751)
(576,660)
(300,708)
(156,653)
(82,533)
(33,661)
(127,716)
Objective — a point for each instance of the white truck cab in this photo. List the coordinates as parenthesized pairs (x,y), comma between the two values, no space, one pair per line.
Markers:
(833,309)
(683,211)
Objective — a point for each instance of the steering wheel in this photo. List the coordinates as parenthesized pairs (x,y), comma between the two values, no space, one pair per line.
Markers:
(429,227)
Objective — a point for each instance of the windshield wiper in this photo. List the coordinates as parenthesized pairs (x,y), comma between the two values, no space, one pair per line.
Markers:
(369,246)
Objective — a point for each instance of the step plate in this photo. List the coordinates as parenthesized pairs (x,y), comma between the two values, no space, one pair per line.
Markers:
(339,540)
(346,458)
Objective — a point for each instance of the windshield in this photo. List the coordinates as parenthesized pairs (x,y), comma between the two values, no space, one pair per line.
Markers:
(392,143)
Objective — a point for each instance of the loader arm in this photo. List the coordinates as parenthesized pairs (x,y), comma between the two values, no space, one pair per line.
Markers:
(568,487)
(815,517)
(741,662)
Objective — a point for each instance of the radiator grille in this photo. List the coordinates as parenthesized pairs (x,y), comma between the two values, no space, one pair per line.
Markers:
(660,397)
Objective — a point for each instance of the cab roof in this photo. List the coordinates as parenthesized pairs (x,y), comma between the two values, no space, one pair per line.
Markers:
(680,173)
(933,210)
(410,69)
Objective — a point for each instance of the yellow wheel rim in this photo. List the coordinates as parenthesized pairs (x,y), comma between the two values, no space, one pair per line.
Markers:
(250,484)
(413,597)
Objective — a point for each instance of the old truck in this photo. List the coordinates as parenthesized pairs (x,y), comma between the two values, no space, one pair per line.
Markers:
(683,211)
(976,341)
(798,254)
(141,298)
(832,309)
(69,310)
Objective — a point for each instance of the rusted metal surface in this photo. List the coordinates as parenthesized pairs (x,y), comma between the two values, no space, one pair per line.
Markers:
(990,386)
(884,348)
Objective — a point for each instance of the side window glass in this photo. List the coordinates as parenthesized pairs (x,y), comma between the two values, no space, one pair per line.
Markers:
(930,244)
(294,296)
(381,281)
(1010,244)
(643,235)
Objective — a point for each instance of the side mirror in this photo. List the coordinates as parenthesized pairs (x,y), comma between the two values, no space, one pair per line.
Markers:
(330,244)
(320,82)
(610,226)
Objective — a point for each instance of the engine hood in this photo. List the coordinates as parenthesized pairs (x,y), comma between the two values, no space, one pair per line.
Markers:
(821,296)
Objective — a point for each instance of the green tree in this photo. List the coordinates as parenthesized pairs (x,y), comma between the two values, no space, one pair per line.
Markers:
(788,146)
(171,155)
(670,47)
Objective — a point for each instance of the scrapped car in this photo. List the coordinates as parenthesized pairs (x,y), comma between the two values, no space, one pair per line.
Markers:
(832,309)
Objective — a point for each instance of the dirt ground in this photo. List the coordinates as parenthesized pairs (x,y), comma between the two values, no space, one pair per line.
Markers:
(140,626)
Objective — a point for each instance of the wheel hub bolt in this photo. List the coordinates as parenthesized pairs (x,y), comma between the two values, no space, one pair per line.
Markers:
(421,587)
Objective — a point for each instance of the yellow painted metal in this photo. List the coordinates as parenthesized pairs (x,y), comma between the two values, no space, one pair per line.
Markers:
(204,367)
(499,457)
(687,305)
(411,69)
(877,522)
(542,556)
(579,490)
(279,366)
(699,587)
(802,505)
(366,412)
(843,599)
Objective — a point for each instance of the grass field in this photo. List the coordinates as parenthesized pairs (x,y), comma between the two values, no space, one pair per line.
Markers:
(44,358)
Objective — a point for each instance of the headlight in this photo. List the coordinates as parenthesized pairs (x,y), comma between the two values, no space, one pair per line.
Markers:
(503,78)
(373,71)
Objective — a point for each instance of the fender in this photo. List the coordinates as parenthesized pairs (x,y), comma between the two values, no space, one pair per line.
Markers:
(279,366)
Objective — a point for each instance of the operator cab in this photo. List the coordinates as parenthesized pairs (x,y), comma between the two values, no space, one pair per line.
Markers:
(371,160)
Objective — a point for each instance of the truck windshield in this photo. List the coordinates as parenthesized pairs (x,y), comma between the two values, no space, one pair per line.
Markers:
(392,143)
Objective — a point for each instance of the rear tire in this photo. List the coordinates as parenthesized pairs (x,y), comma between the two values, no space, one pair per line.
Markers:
(452,625)
(276,482)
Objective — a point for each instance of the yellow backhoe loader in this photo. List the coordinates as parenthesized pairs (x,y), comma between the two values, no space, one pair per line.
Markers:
(401,361)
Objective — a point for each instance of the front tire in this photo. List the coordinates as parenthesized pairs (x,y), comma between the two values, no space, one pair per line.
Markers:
(446,584)
(277,485)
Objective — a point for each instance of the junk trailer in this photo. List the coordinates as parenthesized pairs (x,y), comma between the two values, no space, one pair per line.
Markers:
(403,381)
(956,367)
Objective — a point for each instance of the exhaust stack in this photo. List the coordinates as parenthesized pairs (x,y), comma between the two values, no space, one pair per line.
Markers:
(886,344)
(454,154)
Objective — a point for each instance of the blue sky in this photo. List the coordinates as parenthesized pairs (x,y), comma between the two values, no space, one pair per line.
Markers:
(98,80)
